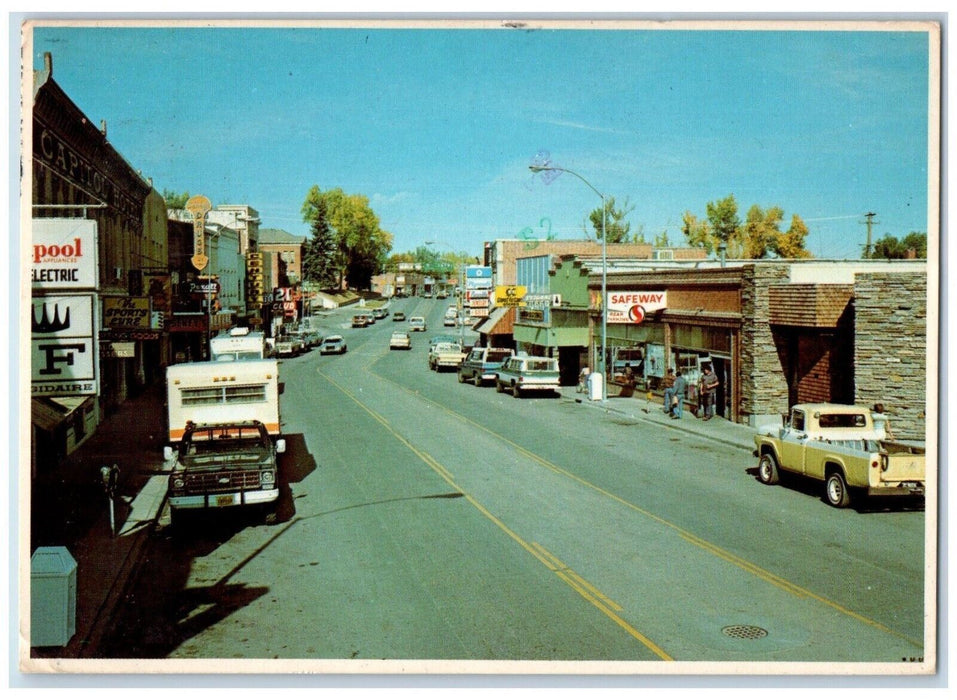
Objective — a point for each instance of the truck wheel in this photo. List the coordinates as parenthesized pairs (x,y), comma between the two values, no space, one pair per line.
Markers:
(477,380)
(836,490)
(498,387)
(461,378)
(768,469)
(516,392)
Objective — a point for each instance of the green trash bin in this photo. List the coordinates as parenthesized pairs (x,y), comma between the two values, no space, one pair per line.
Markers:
(52,597)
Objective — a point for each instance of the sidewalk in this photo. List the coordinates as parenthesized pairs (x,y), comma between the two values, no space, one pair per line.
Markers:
(69,508)
(652,411)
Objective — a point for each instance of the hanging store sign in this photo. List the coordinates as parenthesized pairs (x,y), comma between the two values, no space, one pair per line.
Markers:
(633,307)
(510,295)
(63,350)
(199,206)
(126,313)
(63,254)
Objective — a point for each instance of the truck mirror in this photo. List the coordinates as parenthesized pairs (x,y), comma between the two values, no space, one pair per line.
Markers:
(282,387)
(280,446)
(167,453)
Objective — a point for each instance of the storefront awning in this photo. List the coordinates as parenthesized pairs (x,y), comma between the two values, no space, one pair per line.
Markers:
(48,414)
(501,321)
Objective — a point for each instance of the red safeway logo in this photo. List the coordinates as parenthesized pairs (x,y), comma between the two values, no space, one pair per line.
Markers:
(636,314)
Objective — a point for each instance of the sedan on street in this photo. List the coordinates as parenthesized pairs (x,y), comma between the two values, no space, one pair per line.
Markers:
(333,345)
(417,323)
(398,316)
(400,340)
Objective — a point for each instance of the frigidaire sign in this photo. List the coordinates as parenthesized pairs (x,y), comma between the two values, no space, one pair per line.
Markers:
(63,254)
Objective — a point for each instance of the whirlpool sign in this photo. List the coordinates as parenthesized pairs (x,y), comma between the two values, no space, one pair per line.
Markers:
(634,307)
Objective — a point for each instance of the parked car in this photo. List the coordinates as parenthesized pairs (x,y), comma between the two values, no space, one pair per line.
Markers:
(398,316)
(442,338)
(333,345)
(400,340)
(417,323)
(362,320)
(445,356)
(482,365)
(443,294)
(526,373)
(289,345)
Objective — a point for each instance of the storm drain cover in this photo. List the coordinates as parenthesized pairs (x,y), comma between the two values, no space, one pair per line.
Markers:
(744,632)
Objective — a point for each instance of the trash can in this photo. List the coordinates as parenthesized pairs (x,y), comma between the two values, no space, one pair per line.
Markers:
(52,597)
(595,384)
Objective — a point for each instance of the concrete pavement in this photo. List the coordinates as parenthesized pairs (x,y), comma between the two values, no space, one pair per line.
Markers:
(70,507)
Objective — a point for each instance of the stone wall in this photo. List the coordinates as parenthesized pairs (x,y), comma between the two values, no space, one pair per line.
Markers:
(764,388)
(890,348)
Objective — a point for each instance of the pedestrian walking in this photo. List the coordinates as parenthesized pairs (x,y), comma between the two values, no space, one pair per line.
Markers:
(583,380)
(678,396)
(882,424)
(709,387)
(668,383)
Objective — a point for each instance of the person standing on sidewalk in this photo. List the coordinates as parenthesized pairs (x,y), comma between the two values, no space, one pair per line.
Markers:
(678,396)
(668,383)
(709,386)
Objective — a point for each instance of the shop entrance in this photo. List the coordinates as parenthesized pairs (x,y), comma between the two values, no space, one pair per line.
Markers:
(722,368)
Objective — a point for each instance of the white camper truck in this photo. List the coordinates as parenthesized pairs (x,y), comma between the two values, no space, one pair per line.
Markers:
(238,344)
(225,434)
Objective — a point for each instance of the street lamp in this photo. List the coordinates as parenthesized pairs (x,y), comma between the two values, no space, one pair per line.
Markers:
(604,271)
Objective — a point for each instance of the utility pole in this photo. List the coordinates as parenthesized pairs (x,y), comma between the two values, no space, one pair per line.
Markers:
(870,225)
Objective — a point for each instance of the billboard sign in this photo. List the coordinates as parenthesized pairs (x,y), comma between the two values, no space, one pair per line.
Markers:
(633,307)
(63,255)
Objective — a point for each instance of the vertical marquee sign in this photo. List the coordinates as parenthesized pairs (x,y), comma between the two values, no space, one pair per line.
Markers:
(199,207)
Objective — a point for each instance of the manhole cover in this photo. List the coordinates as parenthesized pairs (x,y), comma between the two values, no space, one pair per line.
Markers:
(744,632)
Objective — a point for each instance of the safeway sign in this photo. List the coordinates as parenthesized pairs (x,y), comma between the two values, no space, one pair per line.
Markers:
(634,307)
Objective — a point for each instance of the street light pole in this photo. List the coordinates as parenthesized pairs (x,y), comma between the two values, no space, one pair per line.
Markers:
(604,271)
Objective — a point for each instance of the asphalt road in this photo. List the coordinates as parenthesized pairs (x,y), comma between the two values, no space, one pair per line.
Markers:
(423,519)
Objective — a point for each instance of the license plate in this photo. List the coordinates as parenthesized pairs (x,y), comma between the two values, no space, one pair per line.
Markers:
(224,500)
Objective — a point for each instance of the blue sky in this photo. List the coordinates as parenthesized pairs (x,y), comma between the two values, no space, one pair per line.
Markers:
(438,127)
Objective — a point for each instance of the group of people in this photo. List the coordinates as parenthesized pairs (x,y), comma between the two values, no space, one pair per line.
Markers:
(676,387)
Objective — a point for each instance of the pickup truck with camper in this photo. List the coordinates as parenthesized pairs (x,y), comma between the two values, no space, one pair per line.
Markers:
(522,374)
(836,444)
(445,356)
(224,434)
(482,365)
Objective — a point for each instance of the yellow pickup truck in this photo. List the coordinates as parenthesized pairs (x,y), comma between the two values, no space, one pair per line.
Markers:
(837,444)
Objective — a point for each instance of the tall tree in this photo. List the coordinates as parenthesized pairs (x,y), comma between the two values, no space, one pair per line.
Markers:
(319,256)
(616,228)
(724,223)
(361,244)
(790,244)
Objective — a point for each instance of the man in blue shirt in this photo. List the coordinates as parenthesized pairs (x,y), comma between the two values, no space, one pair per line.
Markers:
(678,396)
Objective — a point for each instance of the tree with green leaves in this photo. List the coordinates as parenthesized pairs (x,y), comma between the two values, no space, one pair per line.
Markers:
(914,244)
(319,254)
(616,228)
(174,200)
(759,236)
(361,245)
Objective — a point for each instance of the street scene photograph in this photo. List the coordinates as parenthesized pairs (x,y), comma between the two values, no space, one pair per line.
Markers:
(596,348)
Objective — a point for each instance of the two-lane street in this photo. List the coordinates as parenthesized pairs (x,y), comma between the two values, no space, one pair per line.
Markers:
(422,518)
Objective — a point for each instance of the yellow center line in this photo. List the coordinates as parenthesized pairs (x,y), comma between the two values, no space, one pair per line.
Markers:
(572,579)
(754,569)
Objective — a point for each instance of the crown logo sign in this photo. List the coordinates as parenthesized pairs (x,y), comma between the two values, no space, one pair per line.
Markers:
(46,325)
